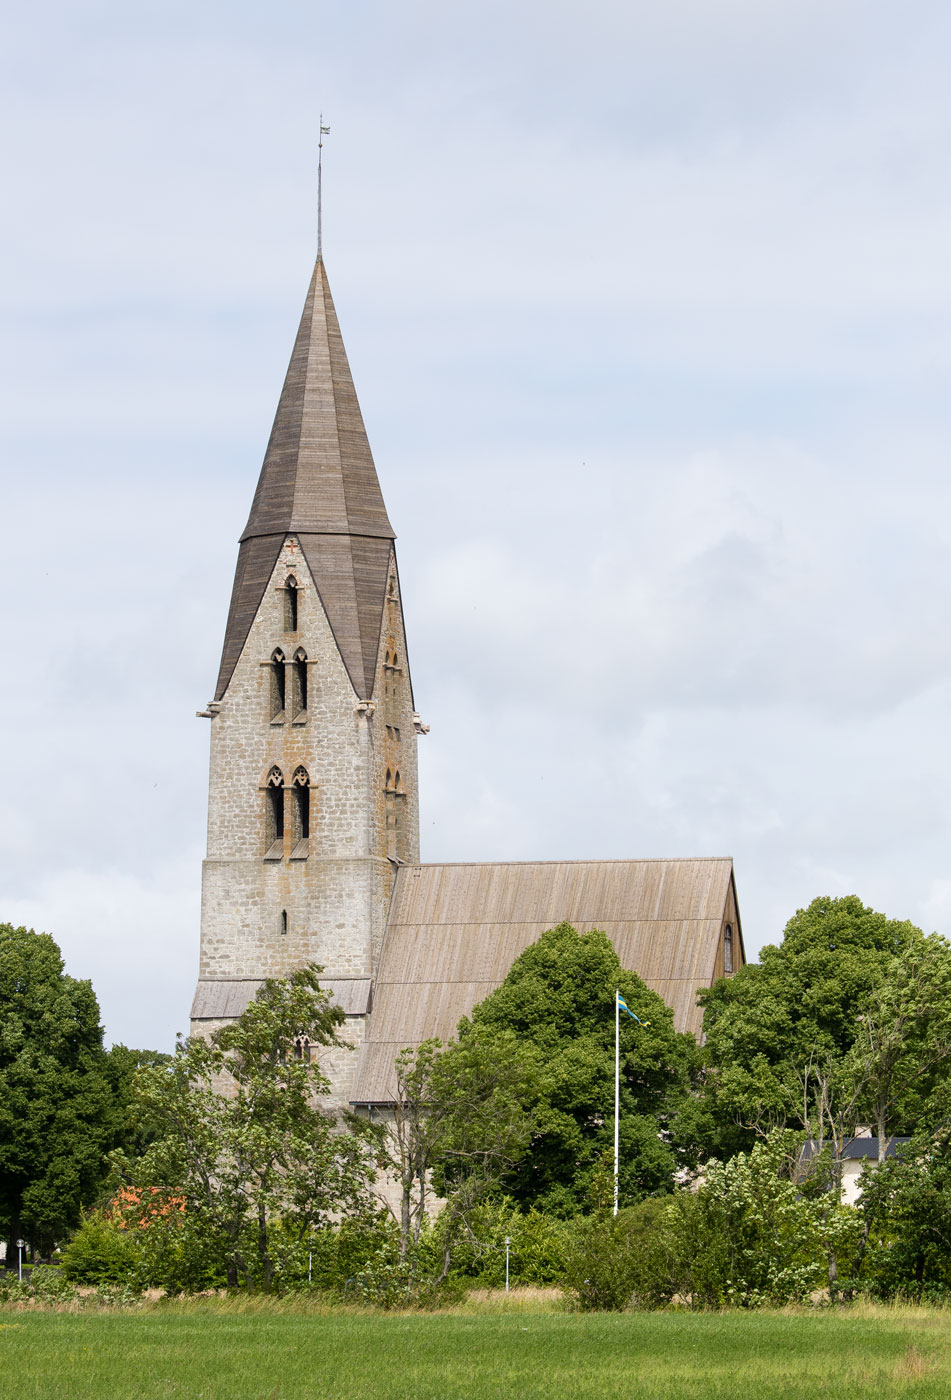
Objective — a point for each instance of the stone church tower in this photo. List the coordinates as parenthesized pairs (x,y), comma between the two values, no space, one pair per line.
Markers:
(313,793)
(313,818)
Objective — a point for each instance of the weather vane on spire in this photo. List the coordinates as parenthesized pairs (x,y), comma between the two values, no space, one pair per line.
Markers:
(324,131)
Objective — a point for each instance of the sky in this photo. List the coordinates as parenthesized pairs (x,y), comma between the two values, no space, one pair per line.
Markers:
(649,313)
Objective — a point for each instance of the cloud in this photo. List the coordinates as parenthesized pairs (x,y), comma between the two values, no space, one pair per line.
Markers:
(648,313)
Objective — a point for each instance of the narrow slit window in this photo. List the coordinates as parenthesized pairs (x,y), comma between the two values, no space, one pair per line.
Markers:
(301,814)
(291,596)
(728,949)
(299,681)
(283,922)
(278,684)
(390,800)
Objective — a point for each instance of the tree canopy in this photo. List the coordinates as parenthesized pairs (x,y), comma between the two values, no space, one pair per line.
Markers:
(59,1114)
(853,1007)
(558,1003)
(246,1165)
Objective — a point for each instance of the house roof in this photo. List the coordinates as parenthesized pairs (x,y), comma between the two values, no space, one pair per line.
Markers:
(319,483)
(455,930)
(859,1149)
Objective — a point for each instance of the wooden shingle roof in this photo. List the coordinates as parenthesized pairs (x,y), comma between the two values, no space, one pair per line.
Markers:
(455,930)
(226,998)
(319,483)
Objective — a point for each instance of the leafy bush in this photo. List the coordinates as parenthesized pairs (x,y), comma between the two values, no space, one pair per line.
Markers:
(537,1252)
(336,1254)
(907,1204)
(100,1252)
(751,1237)
(51,1284)
(601,1266)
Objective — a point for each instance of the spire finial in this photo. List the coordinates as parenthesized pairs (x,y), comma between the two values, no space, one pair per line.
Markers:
(324,131)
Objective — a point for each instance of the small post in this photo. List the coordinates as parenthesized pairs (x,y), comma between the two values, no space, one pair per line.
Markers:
(310,1266)
(617,1085)
(508,1241)
(20,1247)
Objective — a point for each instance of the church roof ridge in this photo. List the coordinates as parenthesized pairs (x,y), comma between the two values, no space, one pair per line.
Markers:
(318,482)
(575,860)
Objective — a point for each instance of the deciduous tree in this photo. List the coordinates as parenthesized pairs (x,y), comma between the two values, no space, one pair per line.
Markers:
(247,1162)
(558,1003)
(59,1114)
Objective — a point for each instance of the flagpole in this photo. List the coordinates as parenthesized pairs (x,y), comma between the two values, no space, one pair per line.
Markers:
(617,1084)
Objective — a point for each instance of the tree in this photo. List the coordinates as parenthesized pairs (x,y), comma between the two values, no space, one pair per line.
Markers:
(795,1016)
(58,1113)
(460,1120)
(902,1048)
(750,1236)
(247,1164)
(558,1003)
(906,1203)
(134,1133)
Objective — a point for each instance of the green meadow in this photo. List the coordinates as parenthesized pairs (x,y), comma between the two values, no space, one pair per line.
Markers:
(206,1350)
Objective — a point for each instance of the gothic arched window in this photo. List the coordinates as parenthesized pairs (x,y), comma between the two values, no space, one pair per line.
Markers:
(300,834)
(291,597)
(392,798)
(274,815)
(299,685)
(728,949)
(278,685)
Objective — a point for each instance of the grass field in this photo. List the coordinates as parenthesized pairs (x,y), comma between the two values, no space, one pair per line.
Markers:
(206,1351)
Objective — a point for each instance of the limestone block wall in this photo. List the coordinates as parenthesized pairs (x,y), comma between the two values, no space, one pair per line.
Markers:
(263,917)
(337,1064)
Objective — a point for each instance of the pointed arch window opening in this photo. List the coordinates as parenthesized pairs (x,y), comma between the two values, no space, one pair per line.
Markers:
(299,686)
(274,815)
(303,1050)
(291,603)
(283,923)
(278,687)
(300,814)
(393,796)
(391,684)
(728,950)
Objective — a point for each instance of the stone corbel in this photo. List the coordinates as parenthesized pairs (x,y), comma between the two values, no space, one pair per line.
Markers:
(213,708)
(365,709)
(418,724)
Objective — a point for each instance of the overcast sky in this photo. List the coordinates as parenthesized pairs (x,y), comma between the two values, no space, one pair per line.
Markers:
(649,313)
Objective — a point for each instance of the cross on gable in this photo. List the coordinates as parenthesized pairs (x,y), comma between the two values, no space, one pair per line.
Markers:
(292,545)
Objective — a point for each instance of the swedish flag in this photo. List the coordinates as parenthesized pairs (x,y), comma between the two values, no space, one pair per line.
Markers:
(623,1006)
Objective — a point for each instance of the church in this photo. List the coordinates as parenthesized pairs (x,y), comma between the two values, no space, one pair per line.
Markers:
(313,801)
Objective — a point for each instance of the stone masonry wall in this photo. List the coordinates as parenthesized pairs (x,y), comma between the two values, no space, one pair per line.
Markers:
(336,900)
(336,1063)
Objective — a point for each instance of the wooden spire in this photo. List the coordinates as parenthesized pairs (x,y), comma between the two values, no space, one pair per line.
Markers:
(318,483)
